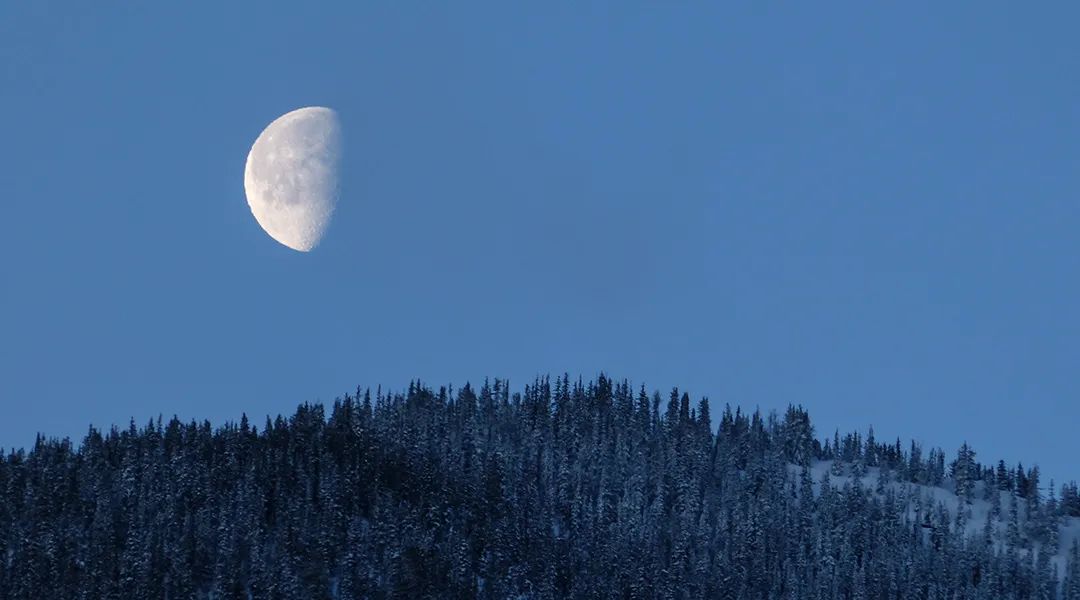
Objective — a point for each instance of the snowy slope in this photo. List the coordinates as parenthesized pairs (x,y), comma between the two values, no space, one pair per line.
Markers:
(925,495)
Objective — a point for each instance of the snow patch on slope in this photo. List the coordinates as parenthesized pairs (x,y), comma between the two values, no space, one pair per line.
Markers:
(919,496)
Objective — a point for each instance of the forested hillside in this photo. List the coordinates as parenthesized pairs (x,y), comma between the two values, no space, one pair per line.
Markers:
(564,490)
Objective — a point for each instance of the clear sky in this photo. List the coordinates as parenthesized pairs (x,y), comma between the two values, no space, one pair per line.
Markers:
(872,211)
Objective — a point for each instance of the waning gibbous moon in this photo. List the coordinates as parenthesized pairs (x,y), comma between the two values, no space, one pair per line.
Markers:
(291,176)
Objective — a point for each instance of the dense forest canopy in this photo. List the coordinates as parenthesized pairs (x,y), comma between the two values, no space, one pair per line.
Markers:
(568,489)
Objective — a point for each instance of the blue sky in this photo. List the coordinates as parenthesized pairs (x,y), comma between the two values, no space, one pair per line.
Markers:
(872,211)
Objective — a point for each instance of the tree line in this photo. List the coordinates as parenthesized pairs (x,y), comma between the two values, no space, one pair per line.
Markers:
(567,489)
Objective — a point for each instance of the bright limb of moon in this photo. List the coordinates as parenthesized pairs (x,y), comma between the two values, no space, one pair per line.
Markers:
(291,176)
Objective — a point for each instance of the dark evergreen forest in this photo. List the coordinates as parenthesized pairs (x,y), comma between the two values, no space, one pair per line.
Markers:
(565,490)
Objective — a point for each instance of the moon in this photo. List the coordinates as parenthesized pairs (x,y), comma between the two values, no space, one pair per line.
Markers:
(291,176)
